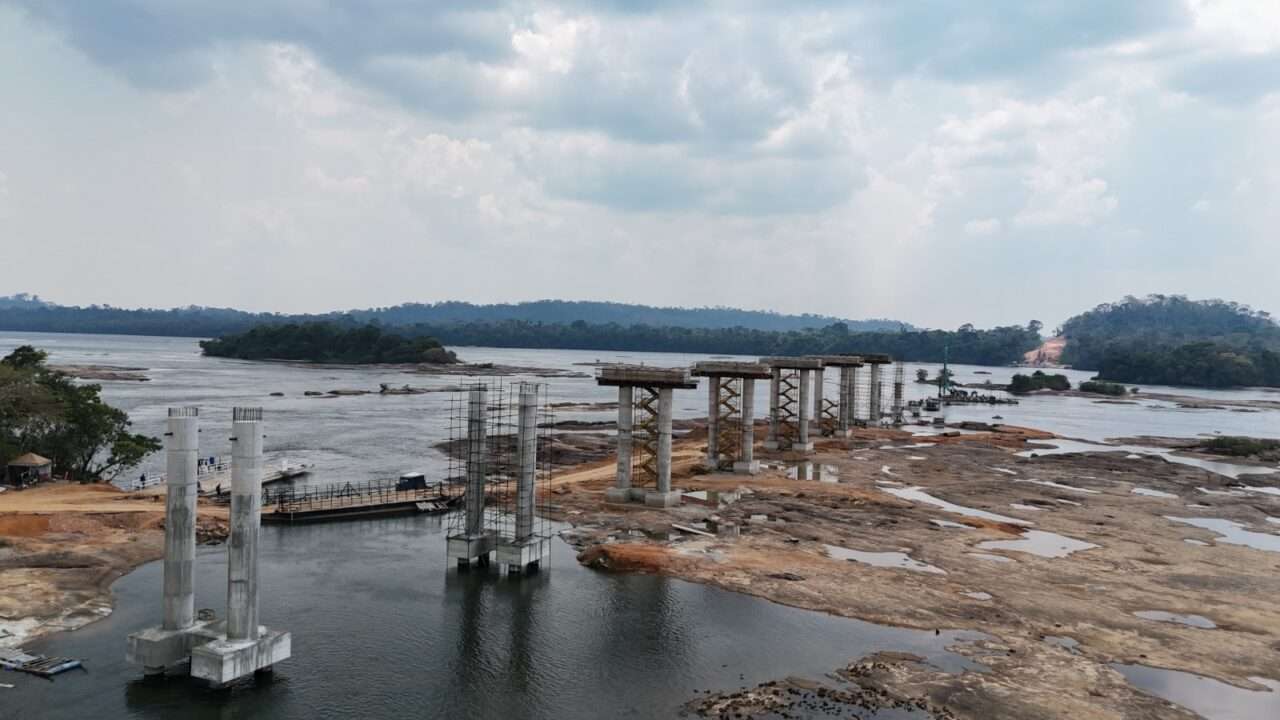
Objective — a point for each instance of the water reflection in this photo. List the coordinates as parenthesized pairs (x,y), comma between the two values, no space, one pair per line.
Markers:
(1210,698)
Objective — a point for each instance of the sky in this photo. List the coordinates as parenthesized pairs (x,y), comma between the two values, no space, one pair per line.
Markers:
(940,162)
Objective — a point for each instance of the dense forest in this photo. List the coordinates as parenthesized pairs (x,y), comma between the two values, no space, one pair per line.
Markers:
(1170,340)
(326,342)
(48,413)
(997,346)
(30,314)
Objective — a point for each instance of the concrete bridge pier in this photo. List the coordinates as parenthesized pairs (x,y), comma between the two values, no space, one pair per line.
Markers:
(730,413)
(244,647)
(474,544)
(789,403)
(526,550)
(655,386)
(158,648)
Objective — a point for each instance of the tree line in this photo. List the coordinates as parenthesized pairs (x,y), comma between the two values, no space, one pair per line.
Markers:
(30,314)
(997,346)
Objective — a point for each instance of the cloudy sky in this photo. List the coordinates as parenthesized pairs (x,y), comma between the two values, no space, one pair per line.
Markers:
(939,162)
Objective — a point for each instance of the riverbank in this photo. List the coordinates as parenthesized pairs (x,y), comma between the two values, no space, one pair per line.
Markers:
(62,545)
(1050,557)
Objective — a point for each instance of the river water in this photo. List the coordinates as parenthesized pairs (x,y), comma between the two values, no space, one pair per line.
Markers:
(382,629)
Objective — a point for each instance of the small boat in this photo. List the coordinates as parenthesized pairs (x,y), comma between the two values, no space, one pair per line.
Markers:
(15,659)
(932,405)
(287,472)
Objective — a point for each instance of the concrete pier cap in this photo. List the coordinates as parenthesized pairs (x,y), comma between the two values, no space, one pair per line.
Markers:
(793,363)
(645,376)
(840,360)
(728,368)
(877,359)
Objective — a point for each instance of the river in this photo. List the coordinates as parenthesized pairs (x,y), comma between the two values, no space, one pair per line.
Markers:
(382,629)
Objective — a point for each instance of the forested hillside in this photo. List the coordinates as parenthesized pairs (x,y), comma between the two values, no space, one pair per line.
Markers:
(1170,340)
(997,346)
(23,314)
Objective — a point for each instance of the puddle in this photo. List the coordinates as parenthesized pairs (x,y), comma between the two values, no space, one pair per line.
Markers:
(889,482)
(1039,542)
(1030,508)
(992,558)
(1263,490)
(1062,447)
(810,471)
(1060,486)
(898,560)
(1070,644)
(917,457)
(917,494)
(1068,502)
(1199,506)
(1208,491)
(887,471)
(1006,471)
(1196,621)
(1152,493)
(977,595)
(1212,699)
(950,524)
(1274,521)
(1233,533)
(1193,541)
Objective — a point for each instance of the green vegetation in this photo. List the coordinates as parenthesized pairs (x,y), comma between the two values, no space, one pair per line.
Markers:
(46,412)
(325,342)
(1038,381)
(1103,388)
(1170,340)
(997,346)
(1236,446)
(30,314)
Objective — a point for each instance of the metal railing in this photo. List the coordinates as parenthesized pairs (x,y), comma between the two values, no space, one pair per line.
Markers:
(346,495)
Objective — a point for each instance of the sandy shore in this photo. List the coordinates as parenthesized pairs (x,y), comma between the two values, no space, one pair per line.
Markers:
(62,545)
(1024,603)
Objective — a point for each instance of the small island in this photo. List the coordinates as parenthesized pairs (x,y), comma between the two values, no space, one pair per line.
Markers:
(327,342)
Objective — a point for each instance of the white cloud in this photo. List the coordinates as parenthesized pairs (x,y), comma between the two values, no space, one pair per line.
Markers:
(982,228)
(705,154)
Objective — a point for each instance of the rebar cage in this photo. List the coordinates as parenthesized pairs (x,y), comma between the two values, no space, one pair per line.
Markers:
(501,432)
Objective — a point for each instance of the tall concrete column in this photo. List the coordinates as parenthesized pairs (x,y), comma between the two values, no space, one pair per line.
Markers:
(802,417)
(182,447)
(873,399)
(664,440)
(818,390)
(853,396)
(845,419)
(477,415)
(242,544)
(527,442)
(713,422)
(626,417)
(746,454)
(775,387)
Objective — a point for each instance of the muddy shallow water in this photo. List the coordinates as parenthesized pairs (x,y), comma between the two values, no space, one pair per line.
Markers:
(382,630)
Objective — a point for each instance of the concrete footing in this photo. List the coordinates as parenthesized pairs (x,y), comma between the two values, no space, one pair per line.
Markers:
(751,467)
(662,499)
(617,495)
(519,556)
(222,661)
(469,549)
(156,648)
